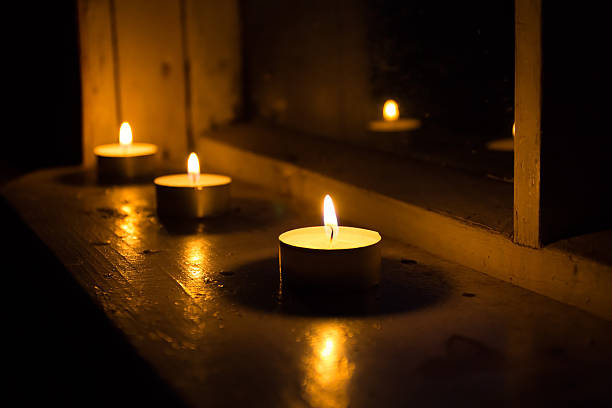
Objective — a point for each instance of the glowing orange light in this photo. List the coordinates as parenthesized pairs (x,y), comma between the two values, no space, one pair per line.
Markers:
(328,371)
(390,110)
(193,168)
(328,348)
(125,134)
(513,129)
(329,218)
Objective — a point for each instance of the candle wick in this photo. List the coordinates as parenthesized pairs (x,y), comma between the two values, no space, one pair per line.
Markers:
(331,237)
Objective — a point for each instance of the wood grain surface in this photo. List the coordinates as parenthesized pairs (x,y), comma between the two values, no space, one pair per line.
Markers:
(452,215)
(203,303)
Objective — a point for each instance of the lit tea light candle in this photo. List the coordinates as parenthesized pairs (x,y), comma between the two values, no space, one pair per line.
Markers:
(126,161)
(391,120)
(192,195)
(330,257)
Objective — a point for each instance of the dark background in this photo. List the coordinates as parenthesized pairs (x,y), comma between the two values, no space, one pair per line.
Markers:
(43,102)
(451,63)
(59,347)
(325,68)
(576,143)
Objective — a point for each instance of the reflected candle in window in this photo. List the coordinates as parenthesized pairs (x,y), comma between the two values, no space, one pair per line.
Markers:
(330,257)
(391,121)
(125,161)
(192,195)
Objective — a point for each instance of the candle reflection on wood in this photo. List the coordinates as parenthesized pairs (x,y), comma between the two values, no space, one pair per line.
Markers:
(327,368)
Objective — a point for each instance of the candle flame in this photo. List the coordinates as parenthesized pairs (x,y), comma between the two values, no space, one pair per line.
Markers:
(390,110)
(193,167)
(513,129)
(329,218)
(125,134)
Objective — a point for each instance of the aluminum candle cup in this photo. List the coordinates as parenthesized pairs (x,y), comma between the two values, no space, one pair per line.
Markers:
(399,125)
(309,259)
(135,161)
(178,195)
(125,161)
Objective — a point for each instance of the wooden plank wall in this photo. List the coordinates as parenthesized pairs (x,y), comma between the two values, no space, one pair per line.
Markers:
(307,66)
(151,79)
(169,67)
(213,44)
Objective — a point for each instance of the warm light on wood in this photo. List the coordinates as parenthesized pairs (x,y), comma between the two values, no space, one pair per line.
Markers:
(328,348)
(328,368)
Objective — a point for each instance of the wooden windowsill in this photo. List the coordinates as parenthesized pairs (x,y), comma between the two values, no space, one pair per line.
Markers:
(202,303)
(464,196)
(457,216)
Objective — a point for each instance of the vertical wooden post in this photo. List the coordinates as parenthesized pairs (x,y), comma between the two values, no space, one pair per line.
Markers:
(97,75)
(528,117)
